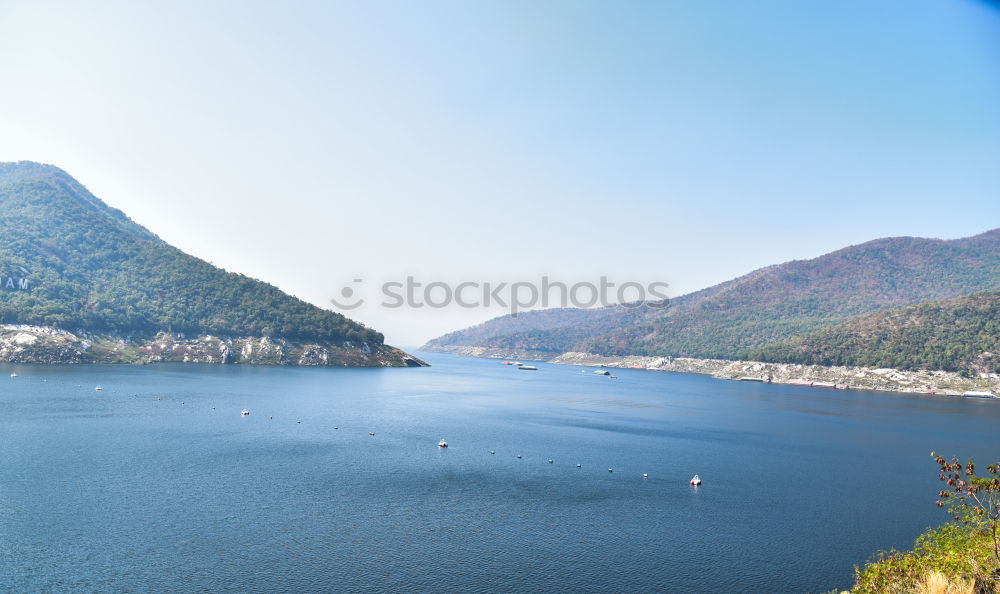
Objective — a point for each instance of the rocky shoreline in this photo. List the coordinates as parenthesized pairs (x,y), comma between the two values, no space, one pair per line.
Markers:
(37,344)
(855,378)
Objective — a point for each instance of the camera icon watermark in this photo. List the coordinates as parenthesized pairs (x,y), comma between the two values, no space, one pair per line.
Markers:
(516,296)
(348,300)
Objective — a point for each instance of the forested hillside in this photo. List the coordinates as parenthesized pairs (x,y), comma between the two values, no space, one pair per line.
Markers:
(769,305)
(961,334)
(78,264)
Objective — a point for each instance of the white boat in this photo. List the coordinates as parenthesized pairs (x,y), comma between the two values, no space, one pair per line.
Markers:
(602,372)
(13,375)
(99,388)
(696,480)
(978,394)
(244,413)
(442,444)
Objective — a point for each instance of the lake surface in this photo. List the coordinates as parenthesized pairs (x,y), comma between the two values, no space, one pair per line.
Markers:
(157,483)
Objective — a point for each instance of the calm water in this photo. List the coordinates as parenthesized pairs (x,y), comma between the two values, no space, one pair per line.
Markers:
(157,482)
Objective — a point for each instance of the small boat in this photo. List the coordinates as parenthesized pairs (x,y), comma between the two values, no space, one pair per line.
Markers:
(644,475)
(602,372)
(493,452)
(245,413)
(978,394)
(99,388)
(13,375)
(528,368)
(372,433)
(550,461)
(579,465)
(611,470)
(696,480)
(519,456)
(442,444)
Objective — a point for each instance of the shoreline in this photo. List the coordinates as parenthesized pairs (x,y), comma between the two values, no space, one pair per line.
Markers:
(25,344)
(941,383)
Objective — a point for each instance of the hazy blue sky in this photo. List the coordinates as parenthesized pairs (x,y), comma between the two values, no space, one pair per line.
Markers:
(308,144)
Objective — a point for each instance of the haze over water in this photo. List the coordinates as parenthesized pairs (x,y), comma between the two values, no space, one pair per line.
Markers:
(157,483)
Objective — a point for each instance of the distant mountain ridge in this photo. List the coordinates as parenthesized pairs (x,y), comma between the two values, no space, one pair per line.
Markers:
(86,268)
(766,306)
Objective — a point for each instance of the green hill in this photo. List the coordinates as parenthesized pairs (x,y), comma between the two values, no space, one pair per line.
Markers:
(961,334)
(769,305)
(71,262)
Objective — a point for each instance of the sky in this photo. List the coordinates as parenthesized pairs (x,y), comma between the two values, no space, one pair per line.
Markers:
(309,144)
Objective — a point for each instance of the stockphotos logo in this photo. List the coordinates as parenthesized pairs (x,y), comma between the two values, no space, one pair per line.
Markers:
(515,296)
(16,279)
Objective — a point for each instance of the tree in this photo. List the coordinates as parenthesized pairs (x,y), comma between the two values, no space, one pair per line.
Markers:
(974,501)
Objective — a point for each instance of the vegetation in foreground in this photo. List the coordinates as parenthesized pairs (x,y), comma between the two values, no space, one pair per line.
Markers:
(962,556)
